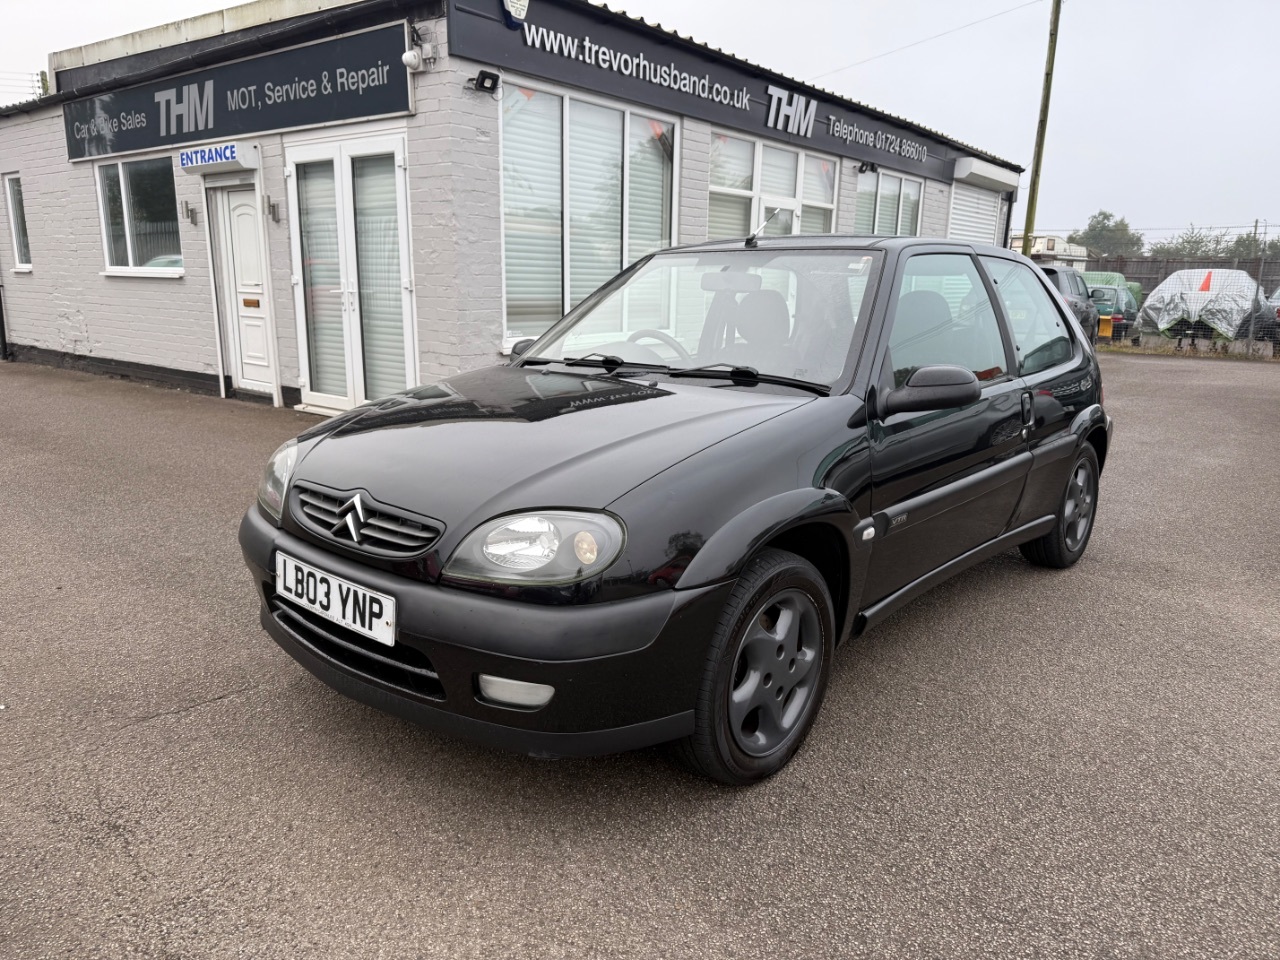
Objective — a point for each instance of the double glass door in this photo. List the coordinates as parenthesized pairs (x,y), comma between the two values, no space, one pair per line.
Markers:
(352,277)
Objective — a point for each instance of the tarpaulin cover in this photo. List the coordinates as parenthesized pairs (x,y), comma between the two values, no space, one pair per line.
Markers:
(1222,299)
(1109,278)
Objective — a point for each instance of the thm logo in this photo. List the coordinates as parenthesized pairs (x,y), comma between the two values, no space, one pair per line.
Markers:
(791,112)
(195,109)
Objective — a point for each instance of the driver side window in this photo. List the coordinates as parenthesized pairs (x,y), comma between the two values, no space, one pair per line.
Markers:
(1039,328)
(943,315)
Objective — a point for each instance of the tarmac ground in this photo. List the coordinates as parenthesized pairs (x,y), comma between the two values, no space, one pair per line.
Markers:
(1023,763)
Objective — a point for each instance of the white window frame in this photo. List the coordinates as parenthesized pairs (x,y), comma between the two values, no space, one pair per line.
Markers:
(566,94)
(897,226)
(19,266)
(110,270)
(760,200)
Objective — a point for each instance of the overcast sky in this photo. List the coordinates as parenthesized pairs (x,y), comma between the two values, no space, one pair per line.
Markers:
(1159,109)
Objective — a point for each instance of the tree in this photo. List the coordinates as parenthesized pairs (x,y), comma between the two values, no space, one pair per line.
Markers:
(1108,236)
(1194,242)
(1201,243)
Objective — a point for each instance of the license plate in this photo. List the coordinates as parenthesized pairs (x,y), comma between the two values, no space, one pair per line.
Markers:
(369,614)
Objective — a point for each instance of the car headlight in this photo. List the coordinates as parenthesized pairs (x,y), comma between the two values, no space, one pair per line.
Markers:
(275,479)
(546,547)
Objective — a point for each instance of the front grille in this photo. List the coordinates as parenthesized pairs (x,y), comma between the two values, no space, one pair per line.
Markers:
(357,521)
(399,666)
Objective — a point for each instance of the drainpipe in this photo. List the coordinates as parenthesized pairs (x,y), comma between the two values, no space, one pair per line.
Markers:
(4,340)
(1008,218)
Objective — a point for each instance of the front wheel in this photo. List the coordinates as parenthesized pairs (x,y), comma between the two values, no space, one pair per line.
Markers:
(1065,543)
(766,671)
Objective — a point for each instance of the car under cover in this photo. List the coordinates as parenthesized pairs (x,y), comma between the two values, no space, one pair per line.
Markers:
(1223,300)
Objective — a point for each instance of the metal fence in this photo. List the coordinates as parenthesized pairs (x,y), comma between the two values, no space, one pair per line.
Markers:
(1258,336)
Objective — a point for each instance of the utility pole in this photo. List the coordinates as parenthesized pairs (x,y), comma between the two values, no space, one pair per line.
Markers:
(1034,192)
(1262,291)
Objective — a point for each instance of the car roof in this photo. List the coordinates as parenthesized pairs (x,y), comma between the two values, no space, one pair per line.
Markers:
(828,241)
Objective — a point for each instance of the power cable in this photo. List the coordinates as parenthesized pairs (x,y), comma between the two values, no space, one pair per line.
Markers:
(936,36)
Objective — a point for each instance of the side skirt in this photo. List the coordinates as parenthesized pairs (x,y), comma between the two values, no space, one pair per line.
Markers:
(881,609)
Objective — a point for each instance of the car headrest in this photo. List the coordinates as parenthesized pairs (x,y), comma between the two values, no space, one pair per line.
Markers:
(763,318)
(920,313)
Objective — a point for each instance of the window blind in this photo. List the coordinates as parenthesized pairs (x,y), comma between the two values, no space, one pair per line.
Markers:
(532,197)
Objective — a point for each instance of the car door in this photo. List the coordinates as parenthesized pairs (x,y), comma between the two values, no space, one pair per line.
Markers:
(1056,372)
(946,481)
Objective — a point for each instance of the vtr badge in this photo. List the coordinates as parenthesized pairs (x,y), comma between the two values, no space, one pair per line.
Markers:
(516,11)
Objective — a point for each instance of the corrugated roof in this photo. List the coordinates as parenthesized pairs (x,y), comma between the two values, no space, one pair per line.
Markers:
(830,94)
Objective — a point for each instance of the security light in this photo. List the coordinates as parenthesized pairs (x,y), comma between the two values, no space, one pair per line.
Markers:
(486,81)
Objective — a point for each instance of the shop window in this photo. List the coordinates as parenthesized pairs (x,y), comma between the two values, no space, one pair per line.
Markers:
(18,221)
(753,181)
(587,190)
(140,214)
(897,209)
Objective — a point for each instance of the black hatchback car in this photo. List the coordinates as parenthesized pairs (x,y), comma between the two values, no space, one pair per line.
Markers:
(1070,283)
(659,521)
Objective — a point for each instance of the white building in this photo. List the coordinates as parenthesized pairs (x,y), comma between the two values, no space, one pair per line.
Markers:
(267,202)
(1051,249)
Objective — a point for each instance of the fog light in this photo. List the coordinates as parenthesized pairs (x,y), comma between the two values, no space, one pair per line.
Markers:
(515,693)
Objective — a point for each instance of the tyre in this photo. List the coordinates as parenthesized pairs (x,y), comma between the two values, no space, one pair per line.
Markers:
(766,671)
(1066,542)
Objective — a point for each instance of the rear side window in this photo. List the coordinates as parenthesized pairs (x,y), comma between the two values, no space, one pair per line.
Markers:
(1039,329)
(943,315)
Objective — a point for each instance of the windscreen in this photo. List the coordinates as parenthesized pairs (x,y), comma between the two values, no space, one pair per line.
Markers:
(789,313)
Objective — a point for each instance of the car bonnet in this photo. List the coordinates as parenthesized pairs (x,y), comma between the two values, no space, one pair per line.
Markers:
(503,439)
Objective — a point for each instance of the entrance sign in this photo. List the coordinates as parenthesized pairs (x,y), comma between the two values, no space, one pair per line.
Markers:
(218,158)
(354,77)
(577,46)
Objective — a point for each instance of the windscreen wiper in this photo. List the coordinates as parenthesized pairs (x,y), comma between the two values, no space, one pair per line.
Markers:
(744,374)
(610,362)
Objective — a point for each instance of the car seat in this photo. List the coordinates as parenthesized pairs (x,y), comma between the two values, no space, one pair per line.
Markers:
(763,324)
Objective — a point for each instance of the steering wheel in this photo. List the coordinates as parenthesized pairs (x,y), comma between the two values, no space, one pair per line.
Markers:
(661,337)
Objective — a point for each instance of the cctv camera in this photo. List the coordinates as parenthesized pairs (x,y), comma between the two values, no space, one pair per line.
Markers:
(412,58)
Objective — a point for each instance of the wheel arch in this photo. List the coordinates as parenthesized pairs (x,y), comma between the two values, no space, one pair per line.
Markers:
(1098,439)
(1090,426)
(815,524)
(828,550)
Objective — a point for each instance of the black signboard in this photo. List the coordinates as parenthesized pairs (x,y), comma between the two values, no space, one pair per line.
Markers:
(353,77)
(575,44)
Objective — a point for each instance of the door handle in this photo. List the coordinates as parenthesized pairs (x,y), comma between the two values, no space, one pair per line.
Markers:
(1028,415)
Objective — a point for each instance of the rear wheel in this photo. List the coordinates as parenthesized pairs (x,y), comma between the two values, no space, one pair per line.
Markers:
(1065,543)
(766,671)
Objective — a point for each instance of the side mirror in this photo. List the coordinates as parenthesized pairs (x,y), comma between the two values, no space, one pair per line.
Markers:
(521,347)
(937,387)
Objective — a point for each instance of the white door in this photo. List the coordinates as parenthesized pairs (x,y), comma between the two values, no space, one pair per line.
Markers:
(352,278)
(243,273)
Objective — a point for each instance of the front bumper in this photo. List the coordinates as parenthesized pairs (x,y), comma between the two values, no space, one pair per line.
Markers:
(625,673)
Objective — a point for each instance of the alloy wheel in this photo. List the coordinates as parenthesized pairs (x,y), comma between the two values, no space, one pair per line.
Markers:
(1077,511)
(776,672)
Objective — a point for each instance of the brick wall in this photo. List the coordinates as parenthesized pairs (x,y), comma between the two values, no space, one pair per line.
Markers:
(455,208)
(935,214)
(65,303)
(847,201)
(695,180)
